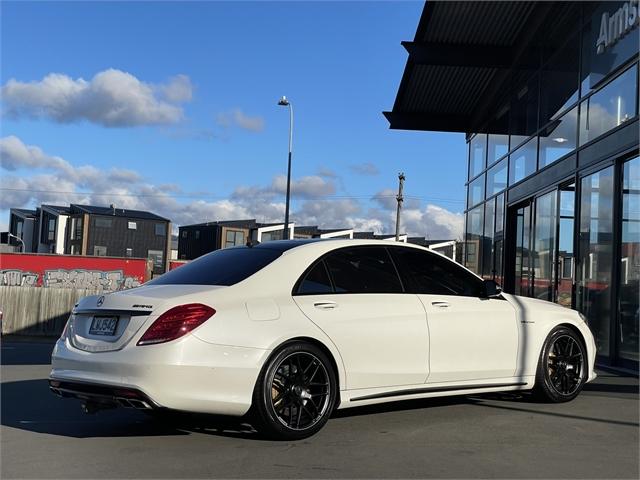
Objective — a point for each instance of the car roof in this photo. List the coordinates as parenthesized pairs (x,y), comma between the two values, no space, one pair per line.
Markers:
(328,244)
(322,246)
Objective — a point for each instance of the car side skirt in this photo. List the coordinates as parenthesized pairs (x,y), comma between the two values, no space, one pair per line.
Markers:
(417,391)
(382,395)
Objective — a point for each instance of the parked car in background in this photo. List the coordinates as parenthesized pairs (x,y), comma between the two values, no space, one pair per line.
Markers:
(291,330)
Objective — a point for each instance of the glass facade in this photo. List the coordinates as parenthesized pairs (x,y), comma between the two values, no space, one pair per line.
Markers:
(611,106)
(595,260)
(498,147)
(544,244)
(553,201)
(558,139)
(566,220)
(629,262)
(497,178)
(477,154)
(522,162)
(476,191)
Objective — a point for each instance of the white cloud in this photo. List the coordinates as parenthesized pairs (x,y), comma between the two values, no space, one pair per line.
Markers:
(238,118)
(366,168)
(36,177)
(433,221)
(112,98)
(386,199)
(327,173)
(309,186)
(178,90)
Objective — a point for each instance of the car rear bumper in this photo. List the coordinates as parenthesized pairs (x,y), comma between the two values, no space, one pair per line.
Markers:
(103,396)
(187,374)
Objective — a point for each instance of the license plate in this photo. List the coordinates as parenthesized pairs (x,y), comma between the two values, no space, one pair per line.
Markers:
(103,326)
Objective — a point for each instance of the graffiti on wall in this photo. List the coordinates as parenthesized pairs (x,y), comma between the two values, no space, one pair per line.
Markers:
(18,278)
(107,281)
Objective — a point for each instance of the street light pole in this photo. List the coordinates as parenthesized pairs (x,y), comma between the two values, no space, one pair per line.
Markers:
(19,239)
(286,103)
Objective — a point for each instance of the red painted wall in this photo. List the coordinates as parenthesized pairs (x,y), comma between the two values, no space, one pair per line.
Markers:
(72,271)
(173,264)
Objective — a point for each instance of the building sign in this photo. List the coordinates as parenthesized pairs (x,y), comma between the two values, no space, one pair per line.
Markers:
(614,26)
(614,39)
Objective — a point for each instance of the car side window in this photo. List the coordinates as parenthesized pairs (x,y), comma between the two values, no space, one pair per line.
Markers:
(428,273)
(316,281)
(363,270)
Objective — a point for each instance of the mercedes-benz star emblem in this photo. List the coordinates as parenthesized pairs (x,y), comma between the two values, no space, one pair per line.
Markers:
(101,301)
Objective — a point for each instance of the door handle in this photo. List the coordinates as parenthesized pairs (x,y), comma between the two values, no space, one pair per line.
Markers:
(441,304)
(325,305)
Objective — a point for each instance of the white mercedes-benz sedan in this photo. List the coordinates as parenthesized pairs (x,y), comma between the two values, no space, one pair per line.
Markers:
(291,330)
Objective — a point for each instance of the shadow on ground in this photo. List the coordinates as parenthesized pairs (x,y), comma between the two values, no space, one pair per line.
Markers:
(23,353)
(29,405)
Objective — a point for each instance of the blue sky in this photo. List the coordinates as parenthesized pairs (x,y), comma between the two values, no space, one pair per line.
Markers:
(177,101)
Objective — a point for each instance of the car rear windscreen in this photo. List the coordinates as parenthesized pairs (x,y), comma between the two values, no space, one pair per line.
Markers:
(221,267)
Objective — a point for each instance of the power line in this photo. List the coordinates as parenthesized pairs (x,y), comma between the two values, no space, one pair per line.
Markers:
(211,196)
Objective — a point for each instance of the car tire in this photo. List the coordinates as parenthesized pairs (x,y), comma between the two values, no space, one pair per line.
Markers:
(295,393)
(562,367)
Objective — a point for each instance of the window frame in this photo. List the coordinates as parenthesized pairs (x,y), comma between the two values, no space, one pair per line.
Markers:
(104,220)
(153,257)
(163,227)
(298,284)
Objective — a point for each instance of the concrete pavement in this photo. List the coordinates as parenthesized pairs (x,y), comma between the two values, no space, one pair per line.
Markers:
(498,436)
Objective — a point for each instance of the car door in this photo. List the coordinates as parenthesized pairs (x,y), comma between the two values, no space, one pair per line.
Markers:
(355,296)
(472,337)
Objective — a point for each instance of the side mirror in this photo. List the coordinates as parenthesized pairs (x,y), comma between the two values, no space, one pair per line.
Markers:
(491,289)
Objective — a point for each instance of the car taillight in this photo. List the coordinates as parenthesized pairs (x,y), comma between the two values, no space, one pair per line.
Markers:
(176,322)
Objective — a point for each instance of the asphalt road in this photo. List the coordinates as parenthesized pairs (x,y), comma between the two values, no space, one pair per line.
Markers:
(497,436)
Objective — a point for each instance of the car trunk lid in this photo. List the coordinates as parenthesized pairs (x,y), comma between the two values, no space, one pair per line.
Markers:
(104,323)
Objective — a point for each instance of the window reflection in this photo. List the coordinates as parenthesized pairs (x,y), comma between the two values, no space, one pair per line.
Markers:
(522,162)
(559,138)
(565,246)
(477,154)
(544,244)
(593,293)
(522,260)
(630,261)
(497,178)
(498,147)
(487,239)
(498,241)
(615,104)
(473,238)
(476,191)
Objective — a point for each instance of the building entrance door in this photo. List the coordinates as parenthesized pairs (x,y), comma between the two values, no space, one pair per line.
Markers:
(541,232)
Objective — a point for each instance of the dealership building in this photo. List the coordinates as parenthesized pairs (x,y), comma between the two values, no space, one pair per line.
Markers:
(547,95)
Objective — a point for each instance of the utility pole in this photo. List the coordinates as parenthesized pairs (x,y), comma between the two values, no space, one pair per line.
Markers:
(400,199)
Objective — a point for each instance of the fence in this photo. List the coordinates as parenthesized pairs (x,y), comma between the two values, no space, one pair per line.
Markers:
(38,311)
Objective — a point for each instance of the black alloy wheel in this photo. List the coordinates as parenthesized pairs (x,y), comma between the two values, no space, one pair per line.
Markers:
(562,368)
(296,392)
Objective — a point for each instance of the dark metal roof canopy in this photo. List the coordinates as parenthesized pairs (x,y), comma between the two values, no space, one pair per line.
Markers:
(462,55)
